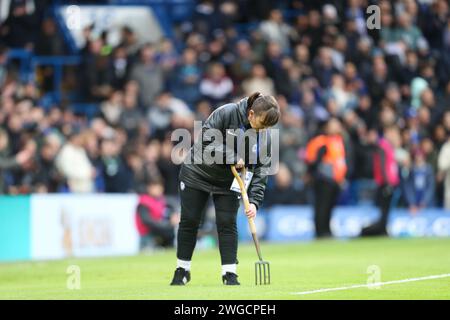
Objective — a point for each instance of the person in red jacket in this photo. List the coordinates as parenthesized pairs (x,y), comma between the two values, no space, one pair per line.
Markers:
(155,218)
(386,175)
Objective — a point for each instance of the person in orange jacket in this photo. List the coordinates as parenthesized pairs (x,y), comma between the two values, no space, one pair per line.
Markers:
(325,156)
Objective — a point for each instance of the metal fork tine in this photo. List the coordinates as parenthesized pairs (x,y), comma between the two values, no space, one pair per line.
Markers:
(264,266)
(260,274)
(265,275)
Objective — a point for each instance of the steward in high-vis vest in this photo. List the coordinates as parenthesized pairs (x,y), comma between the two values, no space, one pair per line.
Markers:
(325,156)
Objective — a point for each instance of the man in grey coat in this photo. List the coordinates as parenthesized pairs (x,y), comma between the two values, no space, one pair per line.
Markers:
(149,76)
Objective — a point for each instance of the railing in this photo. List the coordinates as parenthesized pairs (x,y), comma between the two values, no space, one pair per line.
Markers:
(57,63)
(28,64)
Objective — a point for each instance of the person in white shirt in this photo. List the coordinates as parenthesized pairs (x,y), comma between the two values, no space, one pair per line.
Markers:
(73,162)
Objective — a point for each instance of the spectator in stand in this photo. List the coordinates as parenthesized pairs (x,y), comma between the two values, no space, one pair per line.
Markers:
(74,164)
(434,23)
(323,67)
(202,110)
(47,178)
(116,174)
(19,23)
(112,108)
(165,111)
(377,84)
(169,169)
(135,163)
(283,193)
(8,162)
(313,112)
(149,75)
(302,60)
(129,41)
(407,32)
(186,77)
(258,44)
(49,42)
(428,103)
(120,67)
(356,21)
(93,136)
(363,56)
(258,81)
(216,87)
(167,57)
(242,67)
(96,77)
(292,136)
(226,15)
(313,33)
(272,62)
(131,116)
(276,30)
(409,70)
(345,99)
(419,185)
(354,82)
(203,16)
(151,153)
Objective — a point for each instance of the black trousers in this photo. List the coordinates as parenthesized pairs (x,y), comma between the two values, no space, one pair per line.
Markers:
(163,234)
(383,200)
(326,193)
(193,203)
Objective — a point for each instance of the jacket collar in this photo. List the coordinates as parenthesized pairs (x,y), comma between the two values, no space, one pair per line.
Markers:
(242,107)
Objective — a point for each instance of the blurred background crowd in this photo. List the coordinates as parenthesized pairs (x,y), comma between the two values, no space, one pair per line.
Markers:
(318,58)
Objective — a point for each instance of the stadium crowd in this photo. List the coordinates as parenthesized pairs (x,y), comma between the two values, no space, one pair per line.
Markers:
(318,58)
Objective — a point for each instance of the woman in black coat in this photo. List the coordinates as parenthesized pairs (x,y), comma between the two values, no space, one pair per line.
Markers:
(206,171)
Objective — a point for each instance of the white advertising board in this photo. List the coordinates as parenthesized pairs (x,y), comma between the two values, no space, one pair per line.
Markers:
(83,226)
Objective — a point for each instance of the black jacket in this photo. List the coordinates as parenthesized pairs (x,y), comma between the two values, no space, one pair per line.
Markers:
(217,178)
(6,163)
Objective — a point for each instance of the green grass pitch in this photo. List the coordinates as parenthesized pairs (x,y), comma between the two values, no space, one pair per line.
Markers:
(294,268)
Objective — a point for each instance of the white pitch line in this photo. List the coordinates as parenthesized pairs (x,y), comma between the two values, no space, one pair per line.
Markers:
(373,285)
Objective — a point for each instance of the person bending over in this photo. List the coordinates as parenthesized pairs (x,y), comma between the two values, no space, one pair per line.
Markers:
(201,179)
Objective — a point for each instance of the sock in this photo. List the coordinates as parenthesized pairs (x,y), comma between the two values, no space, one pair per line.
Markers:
(228,268)
(186,265)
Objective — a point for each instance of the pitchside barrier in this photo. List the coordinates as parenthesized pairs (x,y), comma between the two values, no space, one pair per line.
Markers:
(295,223)
(43,227)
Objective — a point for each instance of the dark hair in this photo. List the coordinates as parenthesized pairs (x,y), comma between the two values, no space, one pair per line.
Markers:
(155,180)
(267,105)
